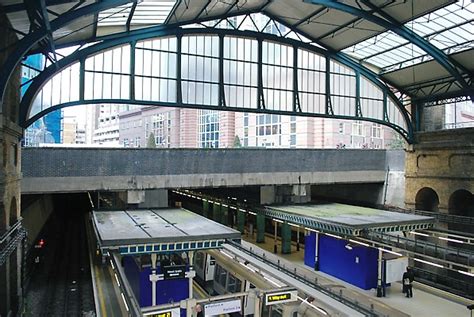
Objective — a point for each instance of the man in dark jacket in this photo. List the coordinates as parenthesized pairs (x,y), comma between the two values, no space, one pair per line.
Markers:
(407,280)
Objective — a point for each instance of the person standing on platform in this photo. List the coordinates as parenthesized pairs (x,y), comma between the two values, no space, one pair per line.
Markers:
(407,280)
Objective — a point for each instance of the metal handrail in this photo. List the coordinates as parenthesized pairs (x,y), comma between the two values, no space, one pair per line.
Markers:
(462,256)
(368,311)
(10,231)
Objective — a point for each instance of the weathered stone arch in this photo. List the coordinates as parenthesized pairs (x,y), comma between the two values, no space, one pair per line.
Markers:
(427,199)
(461,202)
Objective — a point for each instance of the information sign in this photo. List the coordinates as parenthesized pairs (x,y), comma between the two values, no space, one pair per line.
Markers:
(227,307)
(174,272)
(280,297)
(172,312)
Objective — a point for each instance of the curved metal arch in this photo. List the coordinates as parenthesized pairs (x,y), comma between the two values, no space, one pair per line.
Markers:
(391,24)
(81,55)
(25,44)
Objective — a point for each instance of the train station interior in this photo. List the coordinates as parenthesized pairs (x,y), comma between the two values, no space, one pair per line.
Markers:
(300,158)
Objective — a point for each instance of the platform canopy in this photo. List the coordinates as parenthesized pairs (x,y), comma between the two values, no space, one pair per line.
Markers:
(423,48)
(348,219)
(158,231)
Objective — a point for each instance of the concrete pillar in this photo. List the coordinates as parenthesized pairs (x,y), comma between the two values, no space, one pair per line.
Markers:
(301,194)
(240,221)
(267,195)
(285,238)
(135,197)
(260,228)
(155,198)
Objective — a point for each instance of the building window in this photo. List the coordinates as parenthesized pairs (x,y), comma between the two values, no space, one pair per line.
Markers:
(160,125)
(357,128)
(208,129)
(376,131)
(341,128)
(268,124)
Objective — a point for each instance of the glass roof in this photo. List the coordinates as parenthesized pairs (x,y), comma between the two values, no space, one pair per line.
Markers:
(146,12)
(449,29)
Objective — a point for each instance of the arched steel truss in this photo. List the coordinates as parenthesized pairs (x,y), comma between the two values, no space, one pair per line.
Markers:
(392,114)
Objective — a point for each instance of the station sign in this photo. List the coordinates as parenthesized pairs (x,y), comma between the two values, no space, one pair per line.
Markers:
(172,312)
(174,272)
(281,297)
(227,307)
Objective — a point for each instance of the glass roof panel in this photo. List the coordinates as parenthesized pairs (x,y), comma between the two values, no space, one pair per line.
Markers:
(146,12)
(449,29)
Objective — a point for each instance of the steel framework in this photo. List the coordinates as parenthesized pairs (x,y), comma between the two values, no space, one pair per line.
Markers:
(357,106)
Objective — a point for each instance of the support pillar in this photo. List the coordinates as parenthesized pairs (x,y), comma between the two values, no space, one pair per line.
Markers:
(216,212)
(191,274)
(379,275)
(205,209)
(260,228)
(298,238)
(316,252)
(275,234)
(285,238)
(224,215)
(240,221)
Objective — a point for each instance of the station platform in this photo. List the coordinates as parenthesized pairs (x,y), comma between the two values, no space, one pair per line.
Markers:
(424,302)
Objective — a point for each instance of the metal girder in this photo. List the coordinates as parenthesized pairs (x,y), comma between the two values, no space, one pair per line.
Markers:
(130,15)
(25,44)
(81,55)
(344,59)
(391,24)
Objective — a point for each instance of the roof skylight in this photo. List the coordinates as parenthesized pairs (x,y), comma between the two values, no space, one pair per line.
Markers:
(449,29)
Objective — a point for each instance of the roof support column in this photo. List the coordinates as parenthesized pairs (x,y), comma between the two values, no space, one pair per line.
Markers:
(296,98)
(260,96)
(327,92)
(179,93)
(222,102)
(132,70)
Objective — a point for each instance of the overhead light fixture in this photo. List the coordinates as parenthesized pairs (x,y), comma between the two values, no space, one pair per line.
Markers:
(361,243)
(451,240)
(348,247)
(391,252)
(333,235)
(428,262)
(419,234)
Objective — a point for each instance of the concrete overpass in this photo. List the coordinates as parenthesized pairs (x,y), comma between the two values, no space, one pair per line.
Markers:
(59,170)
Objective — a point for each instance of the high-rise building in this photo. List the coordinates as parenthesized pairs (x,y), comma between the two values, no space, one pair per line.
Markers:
(48,128)
(107,129)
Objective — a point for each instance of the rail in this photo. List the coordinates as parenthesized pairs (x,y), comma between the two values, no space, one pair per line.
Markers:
(439,216)
(10,240)
(358,306)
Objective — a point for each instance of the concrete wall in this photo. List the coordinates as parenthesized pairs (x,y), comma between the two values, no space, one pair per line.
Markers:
(35,211)
(69,170)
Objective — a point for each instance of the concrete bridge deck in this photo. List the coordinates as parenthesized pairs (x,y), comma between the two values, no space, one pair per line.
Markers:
(56,170)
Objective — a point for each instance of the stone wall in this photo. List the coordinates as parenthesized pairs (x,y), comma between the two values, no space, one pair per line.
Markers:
(441,162)
(10,134)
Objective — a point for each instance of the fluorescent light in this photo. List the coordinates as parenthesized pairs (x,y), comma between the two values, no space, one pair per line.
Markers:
(309,229)
(112,264)
(204,199)
(389,251)
(224,205)
(333,235)
(466,273)
(277,220)
(232,207)
(116,278)
(123,298)
(451,240)
(315,307)
(429,263)
(294,225)
(358,242)
(252,213)
(419,234)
